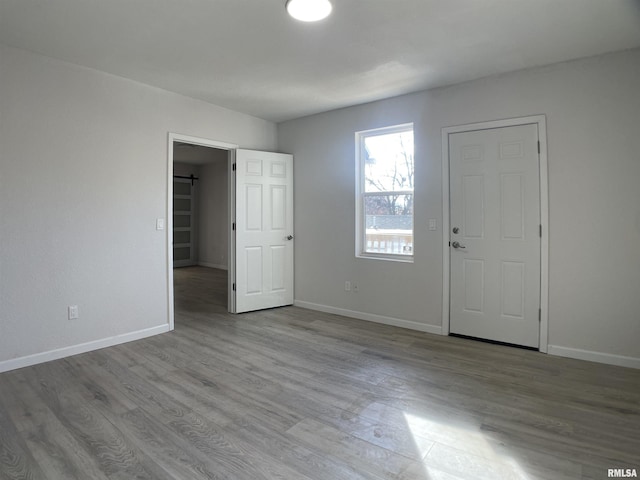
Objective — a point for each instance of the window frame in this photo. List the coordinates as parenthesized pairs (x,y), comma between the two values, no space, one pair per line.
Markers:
(361,194)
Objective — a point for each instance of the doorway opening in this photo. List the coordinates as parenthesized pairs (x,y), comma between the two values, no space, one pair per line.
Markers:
(200,227)
(200,193)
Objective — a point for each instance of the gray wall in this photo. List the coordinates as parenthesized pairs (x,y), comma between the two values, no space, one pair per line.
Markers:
(83,177)
(593,130)
(213,215)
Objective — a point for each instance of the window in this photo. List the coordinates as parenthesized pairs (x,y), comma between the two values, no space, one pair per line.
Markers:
(385,193)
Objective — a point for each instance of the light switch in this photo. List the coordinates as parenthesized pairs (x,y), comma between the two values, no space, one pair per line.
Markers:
(433,224)
(159,223)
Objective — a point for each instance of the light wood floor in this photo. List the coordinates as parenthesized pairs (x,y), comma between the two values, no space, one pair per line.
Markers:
(294,394)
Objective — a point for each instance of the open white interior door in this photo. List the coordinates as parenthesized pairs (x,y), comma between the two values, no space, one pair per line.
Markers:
(264,230)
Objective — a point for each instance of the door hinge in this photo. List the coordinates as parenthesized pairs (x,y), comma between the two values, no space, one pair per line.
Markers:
(540,231)
(234,287)
(539,315)
(233,226)
(233,167)
(538,147)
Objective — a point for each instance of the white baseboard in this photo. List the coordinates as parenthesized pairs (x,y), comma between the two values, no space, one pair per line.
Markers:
(599,357)
(36,358)
(396,322)
(213,265)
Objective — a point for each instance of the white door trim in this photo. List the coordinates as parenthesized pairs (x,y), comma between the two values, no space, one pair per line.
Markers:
(205,142)
(540,121)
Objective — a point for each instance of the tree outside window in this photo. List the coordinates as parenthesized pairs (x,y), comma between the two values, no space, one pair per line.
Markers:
(385,191)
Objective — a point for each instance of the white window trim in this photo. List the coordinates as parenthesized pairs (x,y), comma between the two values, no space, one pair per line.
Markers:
(361,193)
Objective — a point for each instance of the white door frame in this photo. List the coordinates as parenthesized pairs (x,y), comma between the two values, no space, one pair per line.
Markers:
(205,142)
(540,121)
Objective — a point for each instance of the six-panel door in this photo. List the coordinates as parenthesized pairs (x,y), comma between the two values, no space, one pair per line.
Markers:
(264,230)
(495,254)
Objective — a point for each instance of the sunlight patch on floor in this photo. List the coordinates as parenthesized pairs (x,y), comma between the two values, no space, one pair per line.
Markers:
(459,453)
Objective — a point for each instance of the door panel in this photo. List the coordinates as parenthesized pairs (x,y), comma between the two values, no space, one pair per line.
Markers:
(512,212)
(473,273)
(495,254)
(264,230)
(473,206)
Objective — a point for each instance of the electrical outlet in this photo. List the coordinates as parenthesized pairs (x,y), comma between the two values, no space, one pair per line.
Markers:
(73,312)
(347,286)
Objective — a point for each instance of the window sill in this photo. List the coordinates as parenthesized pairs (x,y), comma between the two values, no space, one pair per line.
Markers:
(388,258)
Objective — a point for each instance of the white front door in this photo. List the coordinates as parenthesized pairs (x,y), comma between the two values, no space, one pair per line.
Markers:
(264,230)
(495,234)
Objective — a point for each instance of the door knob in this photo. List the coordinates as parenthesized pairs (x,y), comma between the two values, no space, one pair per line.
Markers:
(289,237)
(457,245)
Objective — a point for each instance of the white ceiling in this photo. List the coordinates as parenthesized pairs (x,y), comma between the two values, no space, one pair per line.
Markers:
(249,56)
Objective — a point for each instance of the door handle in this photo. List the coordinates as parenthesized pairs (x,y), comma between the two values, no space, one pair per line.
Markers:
(457,245)
(289,237)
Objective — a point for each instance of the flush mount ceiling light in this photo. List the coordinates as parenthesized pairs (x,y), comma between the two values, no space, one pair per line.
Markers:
(309,10)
